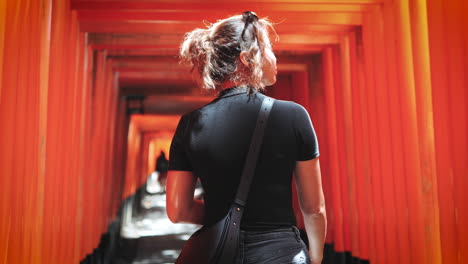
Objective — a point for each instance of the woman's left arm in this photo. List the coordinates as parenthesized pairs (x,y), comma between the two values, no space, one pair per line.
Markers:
(180,203)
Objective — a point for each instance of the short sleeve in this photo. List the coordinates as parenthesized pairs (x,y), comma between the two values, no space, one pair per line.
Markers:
(178,158)
(306,140)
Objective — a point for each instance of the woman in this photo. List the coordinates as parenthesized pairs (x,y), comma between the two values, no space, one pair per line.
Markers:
(211,143)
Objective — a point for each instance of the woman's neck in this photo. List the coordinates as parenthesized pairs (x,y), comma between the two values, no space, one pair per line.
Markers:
(229,84)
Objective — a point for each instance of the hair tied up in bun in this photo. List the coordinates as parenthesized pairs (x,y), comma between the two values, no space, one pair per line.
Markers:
(214,52)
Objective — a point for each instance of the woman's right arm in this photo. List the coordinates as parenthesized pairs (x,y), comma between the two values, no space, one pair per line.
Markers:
(312,203)
(180,203)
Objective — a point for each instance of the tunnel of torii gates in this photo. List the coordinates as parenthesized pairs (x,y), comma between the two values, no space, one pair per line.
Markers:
(384,82)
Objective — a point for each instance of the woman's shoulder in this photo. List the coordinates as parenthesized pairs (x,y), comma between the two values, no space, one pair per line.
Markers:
(289,105)
(282,105)
(293,111)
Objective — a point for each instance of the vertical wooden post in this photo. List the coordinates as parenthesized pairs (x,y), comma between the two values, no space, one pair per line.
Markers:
(456,86)
(425,122)
(3,181)
(374,163)
(340,143)
(411,146)
(442,129)
(386,157)
(350,159)
(3,12)
(46,20)
(336,214)
(7,118)
(397,132)
(363,175)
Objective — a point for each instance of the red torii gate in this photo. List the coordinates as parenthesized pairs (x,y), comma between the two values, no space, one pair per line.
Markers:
(384,82)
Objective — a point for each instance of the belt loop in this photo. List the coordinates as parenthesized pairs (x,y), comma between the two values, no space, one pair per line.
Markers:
(298,233)
(241,237)
(241,249)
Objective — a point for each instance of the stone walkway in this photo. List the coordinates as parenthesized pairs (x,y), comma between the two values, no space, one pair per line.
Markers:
(147,236)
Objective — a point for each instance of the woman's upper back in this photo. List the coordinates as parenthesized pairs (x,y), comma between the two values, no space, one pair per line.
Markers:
(213,142)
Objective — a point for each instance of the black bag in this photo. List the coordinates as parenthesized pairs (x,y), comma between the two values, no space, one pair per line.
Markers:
(218,243)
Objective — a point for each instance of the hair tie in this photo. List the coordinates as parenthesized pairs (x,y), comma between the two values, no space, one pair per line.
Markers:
(248,17)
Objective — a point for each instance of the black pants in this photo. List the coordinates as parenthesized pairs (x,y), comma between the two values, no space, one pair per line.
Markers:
(274,246)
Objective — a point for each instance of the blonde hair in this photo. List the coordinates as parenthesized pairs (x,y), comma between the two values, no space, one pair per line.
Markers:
(214,51)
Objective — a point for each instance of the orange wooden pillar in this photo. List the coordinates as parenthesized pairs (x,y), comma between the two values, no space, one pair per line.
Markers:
(353,148)
(380,91)
(11,120)
(351,160)
(133,159)
(300,88)
(83,99)
(410,147)
(447,22)
(425,123)
(336,213)
(45,38)
(455,52)
(64,110)
(442,130)
(341,77)
(317,107)
(84,214)
(3,22)
(421,212)
(398,132)
(21,108)
(5,139)
(374,163)
(360,127)
(120,142)
(318,115)
(100,118)
(47,196)
(40,196)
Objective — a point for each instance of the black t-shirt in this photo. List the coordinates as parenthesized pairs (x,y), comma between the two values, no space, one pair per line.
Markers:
(213,142)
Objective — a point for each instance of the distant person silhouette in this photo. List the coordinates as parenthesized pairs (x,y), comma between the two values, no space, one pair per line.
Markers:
(161,167)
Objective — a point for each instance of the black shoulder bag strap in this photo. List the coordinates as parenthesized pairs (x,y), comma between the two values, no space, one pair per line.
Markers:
(229,245)
(254,150)
(231,241)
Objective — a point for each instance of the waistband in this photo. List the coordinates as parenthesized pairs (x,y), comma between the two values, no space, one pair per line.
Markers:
(283,232)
